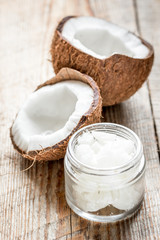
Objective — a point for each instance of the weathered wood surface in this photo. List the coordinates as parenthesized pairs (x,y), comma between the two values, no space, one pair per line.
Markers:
(32,203)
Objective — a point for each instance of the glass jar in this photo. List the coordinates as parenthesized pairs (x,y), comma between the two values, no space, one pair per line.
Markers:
(105,195)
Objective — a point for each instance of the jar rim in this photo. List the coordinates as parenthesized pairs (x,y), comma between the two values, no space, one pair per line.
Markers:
(103,171)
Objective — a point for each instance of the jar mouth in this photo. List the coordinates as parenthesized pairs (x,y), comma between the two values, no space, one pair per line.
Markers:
(110,128)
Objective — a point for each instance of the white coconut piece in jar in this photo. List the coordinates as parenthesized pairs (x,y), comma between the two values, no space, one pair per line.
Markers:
(105,151)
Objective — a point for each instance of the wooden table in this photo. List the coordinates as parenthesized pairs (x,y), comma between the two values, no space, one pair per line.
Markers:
(32,203)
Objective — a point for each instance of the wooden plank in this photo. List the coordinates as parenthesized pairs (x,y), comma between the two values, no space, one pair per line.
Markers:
(148,13)
(32,203)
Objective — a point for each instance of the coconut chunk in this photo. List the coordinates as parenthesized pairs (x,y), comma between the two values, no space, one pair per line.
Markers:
(53,112)
(118,60)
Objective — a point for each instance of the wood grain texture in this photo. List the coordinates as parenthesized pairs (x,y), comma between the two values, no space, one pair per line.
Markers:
(148,18)
(32,203)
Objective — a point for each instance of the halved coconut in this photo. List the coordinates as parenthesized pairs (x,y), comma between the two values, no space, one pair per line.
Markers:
(52,113)
(118,60)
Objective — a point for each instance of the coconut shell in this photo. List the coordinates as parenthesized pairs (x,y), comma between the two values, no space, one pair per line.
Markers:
(93,115)
(117,76)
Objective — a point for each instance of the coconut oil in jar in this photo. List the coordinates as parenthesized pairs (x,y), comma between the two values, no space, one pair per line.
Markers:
(104,172)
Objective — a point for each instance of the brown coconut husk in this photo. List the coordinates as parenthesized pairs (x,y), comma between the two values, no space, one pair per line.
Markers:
(93,115)
(117,76)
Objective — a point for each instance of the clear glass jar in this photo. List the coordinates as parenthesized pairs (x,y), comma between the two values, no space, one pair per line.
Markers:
(105,195)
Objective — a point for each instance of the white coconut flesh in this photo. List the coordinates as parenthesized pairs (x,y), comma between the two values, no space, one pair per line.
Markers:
(50,114)
(102,39)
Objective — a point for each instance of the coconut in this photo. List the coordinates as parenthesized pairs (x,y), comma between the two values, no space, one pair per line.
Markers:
(53,112)
(118,60)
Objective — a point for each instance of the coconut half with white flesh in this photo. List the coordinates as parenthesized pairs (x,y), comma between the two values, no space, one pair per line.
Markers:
(52,113)
(118,60)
